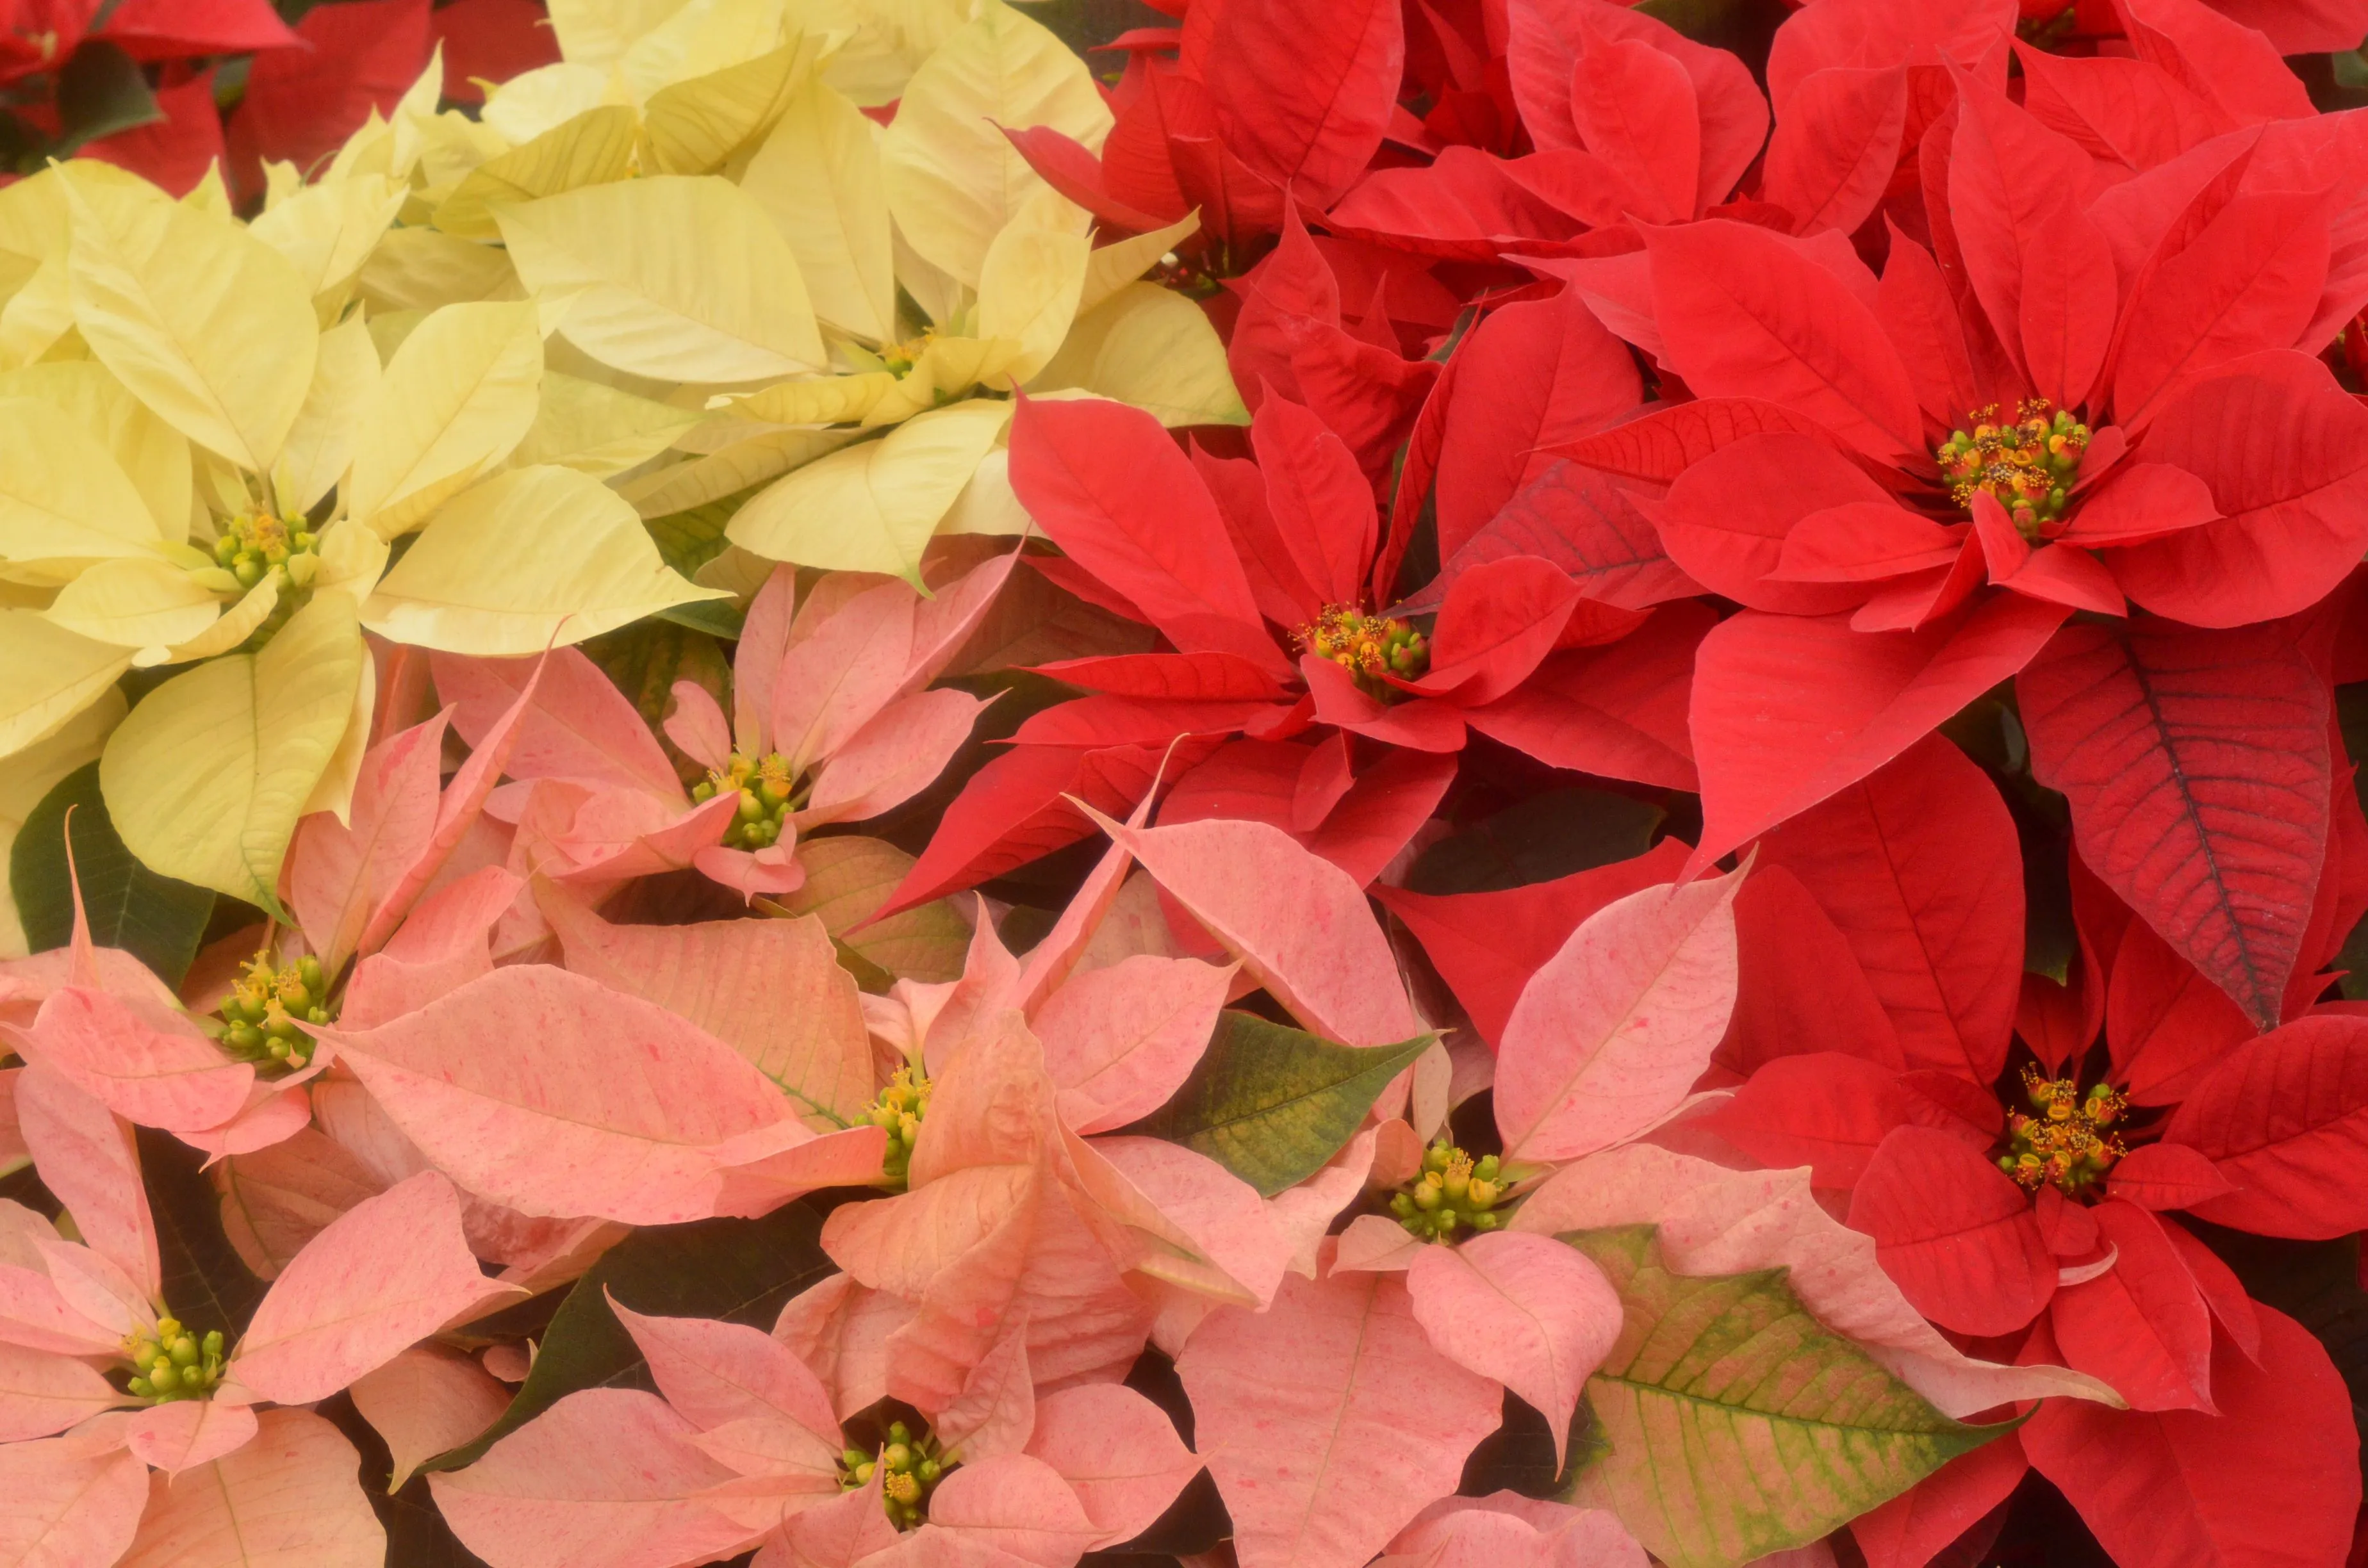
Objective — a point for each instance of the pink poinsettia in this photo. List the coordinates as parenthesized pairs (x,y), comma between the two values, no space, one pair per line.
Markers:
(742,1447)
(103,1383)
(830,724)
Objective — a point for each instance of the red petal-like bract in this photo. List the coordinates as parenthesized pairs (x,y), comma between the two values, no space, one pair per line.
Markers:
(1788,709)
(1958,1237)
(2284,1118)
(2274,1477)
(1303,88)
(1919,868)
(2196,766)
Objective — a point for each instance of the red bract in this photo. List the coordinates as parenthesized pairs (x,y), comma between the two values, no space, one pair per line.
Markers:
(1908,482)
(1258,576)
(2073,1234)
(1631,121)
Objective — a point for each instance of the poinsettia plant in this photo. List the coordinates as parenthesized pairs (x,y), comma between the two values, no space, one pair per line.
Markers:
(1306,784)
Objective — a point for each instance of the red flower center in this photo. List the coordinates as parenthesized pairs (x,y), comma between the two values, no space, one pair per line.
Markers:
(1367,646)
(2069,1142)
(2028,463)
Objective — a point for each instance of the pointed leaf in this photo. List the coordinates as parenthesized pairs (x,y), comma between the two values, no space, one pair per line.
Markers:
(1328,1420)
(382,1276)
(2196,767)
(289,1495)
(1534,1315)
(424,1400)
(1787,710)
(1271,1104)
(1609,1036)
(571,1120)
(605,1479)
(1299,923)
(1712,1457)
(1919,868)
(206,776)
(770,989)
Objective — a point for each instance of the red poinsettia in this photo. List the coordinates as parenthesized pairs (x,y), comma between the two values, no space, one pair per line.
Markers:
(2032,1207)
(1264,579)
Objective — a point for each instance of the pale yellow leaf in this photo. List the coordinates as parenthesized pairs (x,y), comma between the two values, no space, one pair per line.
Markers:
(695,126)
(153,455)
(237,624)
(598,429)
(326,232)
(53,674)
(352,557)
(596,32)
(38,314)
(64,501)
(528,556)
(754,460)
(451,148)
(211,193)
(546,99)
(389,330)
(207,324)
(1029,285)
(701,38)
(414,112)
(1115,265)
(135,603)
(321,444)
(684,279)
(886,40)
(820,400)
(334,790)
(457,396)
(34,223)
(418,270)
(1153,348)
(988,505)
(954,180)
(594,148)
(206,776)
(872,507)
(32,774)
(817,176)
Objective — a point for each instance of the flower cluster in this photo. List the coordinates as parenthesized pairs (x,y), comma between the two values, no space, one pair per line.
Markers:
(869,784)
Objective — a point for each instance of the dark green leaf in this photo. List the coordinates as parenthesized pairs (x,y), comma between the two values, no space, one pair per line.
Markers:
(155,918)
(1543,837)
(1271,1103)
(740,1270)
(688,540)
(716,618)
(101,91)
(206,1285)
(1727,1422)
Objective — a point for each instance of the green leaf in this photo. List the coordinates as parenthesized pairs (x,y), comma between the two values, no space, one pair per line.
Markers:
(1727,1422)
(1543,837)
(156,919)
(739,1270)
(716,618)
(206,1285)
(688,540)
(101,91)
(1271,1103)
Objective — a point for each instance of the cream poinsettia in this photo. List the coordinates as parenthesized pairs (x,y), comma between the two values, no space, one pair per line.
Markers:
(217,484)
(699,185)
